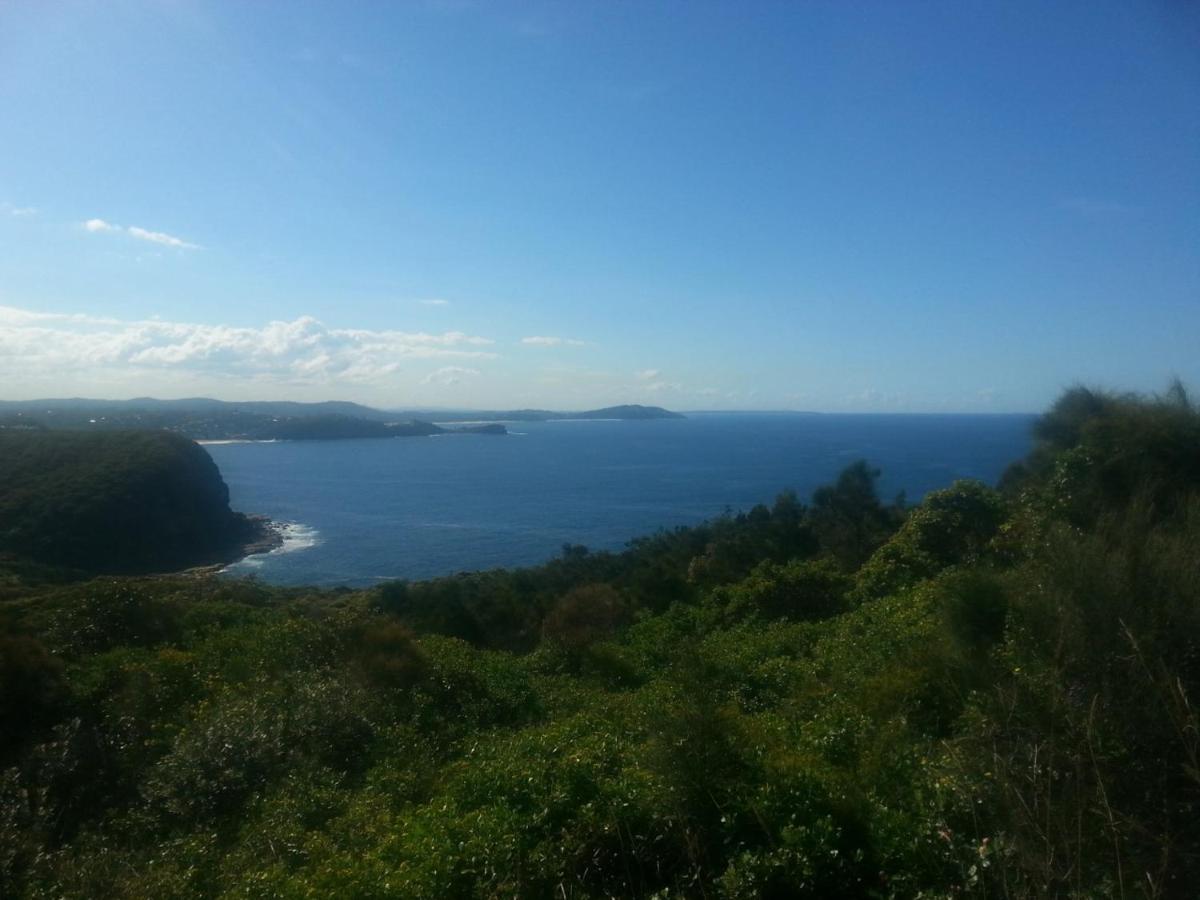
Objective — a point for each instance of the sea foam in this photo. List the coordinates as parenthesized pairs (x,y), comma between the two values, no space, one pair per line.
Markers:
(296,537)
(293,536)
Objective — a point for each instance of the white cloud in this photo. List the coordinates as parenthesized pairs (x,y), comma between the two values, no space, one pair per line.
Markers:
(648,374)
(545,341)
(434,301)
(448,375)
(100,226)
(301,351)
(11,316)
(18,210)
(158,237)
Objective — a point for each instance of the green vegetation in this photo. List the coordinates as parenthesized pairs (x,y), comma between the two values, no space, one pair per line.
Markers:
(990,694)
(113,502)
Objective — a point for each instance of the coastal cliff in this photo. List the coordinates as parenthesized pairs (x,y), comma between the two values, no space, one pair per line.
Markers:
(118,502)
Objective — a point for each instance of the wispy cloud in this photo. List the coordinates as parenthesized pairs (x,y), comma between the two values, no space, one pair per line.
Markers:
(159,237)
(546,341)
(18,210)
(648,374)
(303,350)
(434,301)
(449,375)
(100,226)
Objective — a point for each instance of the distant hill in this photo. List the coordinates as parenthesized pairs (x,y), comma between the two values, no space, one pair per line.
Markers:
(150,412)
(202,418)
(115,502)
(80,405)
(627,411)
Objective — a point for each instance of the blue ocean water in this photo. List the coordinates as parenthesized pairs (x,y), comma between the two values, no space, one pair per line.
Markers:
(362,511)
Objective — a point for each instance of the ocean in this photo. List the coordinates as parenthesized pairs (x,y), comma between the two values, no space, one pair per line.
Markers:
(357,512)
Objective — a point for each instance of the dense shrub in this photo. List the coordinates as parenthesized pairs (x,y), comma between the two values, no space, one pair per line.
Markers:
(950,527)
(585,615)
(799,590)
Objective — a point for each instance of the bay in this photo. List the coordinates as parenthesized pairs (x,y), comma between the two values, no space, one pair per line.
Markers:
(358,512)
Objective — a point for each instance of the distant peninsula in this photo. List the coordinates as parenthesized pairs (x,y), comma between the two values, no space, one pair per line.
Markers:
(206,419)
(339,427)
(626,412)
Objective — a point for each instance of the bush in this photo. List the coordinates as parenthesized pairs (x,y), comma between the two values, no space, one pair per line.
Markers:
(388,655)
(950,527)
(805,590)
(32,692)
(585,615)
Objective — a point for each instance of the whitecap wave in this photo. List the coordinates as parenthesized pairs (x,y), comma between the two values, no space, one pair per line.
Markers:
(296,537)
(293,536)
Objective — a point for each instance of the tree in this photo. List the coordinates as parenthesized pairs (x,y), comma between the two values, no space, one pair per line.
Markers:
(848,517)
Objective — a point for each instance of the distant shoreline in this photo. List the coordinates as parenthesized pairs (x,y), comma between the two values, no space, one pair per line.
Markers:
(204,442)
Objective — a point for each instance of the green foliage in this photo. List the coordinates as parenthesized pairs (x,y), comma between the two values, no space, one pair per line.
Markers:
(388,655)
(1092,735)
(239,747)
(798,590)
(848,518)
(100,615)
(585,615)
(950,527)
(974,608)
(1098,452)
(734,545)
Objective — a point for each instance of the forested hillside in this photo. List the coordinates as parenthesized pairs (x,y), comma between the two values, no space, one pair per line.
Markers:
(988,694)
(115,502)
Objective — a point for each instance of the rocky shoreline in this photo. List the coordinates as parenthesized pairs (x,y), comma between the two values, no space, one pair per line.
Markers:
(262,536)
(267,536)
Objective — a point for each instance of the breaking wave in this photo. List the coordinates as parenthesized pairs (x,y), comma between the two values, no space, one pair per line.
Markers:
(296,537)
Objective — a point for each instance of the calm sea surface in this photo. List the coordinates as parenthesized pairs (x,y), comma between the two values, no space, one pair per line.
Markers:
(362,511)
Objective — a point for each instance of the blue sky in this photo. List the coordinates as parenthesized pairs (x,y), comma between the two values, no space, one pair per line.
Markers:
(831,206)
